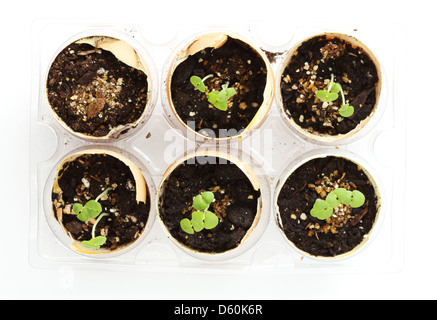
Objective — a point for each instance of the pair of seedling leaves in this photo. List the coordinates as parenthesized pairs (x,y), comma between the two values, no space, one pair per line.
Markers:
(92,210)
(323,209)
(218,99)
(331,94)
(202,218)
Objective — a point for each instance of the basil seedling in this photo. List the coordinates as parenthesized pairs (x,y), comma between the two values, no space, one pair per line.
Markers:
(323,209)
(92,210)
(218,99)
(331,94)
(202,218)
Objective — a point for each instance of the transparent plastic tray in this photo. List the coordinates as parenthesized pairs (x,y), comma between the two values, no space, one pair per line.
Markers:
(271,150)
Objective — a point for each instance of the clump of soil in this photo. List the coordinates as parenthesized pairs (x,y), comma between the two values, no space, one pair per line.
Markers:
(236,204)
(93,92)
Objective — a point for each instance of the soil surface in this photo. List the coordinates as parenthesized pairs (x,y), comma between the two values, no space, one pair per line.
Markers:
(234,62)
(84,179)
(346,227)
(310,70)
(93,92)
(236,204)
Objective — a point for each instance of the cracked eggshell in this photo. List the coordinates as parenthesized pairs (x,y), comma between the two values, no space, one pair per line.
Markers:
(247,170)
(326,138)
(124,52)
(373,180)
(216,40)
(141,195)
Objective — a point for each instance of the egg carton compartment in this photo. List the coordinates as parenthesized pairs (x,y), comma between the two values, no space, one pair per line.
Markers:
(270,150)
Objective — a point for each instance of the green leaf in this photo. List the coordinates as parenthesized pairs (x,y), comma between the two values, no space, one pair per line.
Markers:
(197,221)
(321,209)
(201,87)
(358,199)
(332,199)
(199,203)
(195,80)
(336,87)
(321,204)
(322,214)
(223,106)
(212,97)
(92,209)
(77,208)
(211,220)
(187,226)
(230,92)
(222,97)
(94,243)
(346,110)
(83,216)
(326,96)
(198,83)
(208,196)
(343,195)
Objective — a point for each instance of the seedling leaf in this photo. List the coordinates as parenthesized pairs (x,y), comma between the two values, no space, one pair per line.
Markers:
(336,88)
(222,97)
(187,226)
(92,209)
(199,203)
(212,97)
(326,96)
(211,220)
(231,92)
(346,110)
(198,83)
(321,204)
(358,199)
(208,196)
(223,106)
(332,199)
(322,214)
(197,221)
(343,195)
(77,208)
(94,243)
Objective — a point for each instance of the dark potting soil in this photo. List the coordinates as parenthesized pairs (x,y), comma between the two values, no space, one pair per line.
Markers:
(93,92)
(335,236)
(234,62)
(86,178)
(310,70)
(236,204)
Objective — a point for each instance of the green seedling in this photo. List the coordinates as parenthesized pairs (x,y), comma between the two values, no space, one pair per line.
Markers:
(202,218)
(94,243)
(323,209)
(331,94)
(218,99)
(92,210)
(200,83)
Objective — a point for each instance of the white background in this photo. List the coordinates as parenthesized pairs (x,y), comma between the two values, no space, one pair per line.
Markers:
(416,280)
